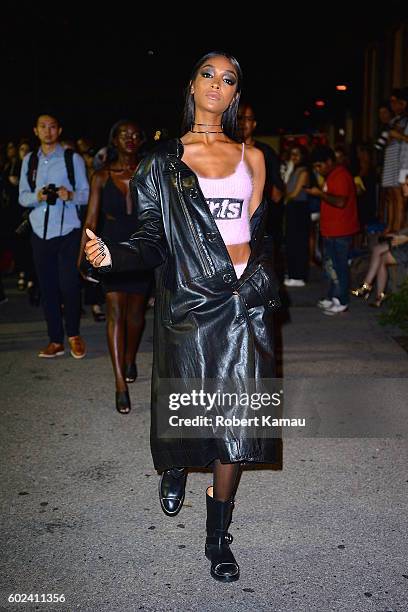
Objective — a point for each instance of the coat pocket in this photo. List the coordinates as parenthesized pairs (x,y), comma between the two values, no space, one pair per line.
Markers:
(259,287)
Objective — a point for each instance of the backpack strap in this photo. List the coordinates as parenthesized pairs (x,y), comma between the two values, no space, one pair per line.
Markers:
(32,170)
(69,164)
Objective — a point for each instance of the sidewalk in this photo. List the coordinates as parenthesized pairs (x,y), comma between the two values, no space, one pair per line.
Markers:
(80,511)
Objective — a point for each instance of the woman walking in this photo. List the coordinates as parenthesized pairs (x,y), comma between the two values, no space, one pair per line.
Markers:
(111,209)
(201,225)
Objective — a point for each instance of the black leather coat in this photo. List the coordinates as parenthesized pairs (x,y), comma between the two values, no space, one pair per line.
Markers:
(208,324)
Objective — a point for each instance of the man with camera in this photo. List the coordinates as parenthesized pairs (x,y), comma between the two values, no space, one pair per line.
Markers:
(54,184)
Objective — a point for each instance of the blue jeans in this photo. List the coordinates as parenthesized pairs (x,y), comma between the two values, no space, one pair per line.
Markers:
(336,253)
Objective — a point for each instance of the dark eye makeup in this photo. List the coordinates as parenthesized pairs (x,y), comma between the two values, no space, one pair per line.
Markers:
(208,74)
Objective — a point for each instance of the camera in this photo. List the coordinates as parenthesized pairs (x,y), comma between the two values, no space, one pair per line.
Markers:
(51,192)
(381,141)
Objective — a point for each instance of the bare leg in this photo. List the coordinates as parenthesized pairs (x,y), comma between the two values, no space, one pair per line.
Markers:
(135,320)
(376,261)
(382,274)
(116,304)
(225,476)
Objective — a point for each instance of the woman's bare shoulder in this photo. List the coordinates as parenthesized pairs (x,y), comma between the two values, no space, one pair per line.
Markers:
(254,157)
(100,176)
(253,152)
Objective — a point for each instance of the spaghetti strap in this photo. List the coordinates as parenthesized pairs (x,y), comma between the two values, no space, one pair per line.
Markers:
(243,151)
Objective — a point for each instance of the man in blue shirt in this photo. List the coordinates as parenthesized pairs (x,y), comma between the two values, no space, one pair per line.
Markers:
(56,233)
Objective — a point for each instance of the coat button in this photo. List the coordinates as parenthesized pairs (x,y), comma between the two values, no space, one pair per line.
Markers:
(211,236)
(227,278)
(193,193)
(172,166)
(239,318)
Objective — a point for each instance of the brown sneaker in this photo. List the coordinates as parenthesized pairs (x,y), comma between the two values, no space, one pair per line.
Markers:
(54,349)
(77,345)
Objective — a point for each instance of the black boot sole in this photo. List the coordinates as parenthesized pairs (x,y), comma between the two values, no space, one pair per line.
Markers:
(226,577)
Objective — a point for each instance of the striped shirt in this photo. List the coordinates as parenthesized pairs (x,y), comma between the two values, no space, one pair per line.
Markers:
(392,155)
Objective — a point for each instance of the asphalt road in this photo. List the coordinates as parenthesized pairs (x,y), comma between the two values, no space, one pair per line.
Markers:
(325,530)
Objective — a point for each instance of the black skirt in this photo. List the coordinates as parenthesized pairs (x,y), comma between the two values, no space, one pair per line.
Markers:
(124,282)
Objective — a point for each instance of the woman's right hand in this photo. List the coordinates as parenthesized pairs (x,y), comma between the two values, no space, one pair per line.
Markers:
(96,251)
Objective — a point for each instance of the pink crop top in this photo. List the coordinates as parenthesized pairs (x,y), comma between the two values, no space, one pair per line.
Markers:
(228,199)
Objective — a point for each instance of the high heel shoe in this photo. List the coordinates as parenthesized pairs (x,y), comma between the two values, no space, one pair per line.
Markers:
(98,314)
(130,372)
(123,402)
(379,301)
(363,291)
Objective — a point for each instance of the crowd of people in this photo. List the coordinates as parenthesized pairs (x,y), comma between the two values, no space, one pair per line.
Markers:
(323,203)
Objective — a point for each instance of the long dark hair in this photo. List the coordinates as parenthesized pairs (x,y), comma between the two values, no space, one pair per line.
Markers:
(229,117)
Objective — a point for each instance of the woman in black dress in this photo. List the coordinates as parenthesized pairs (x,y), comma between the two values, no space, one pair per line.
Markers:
(111,208)
(214,299)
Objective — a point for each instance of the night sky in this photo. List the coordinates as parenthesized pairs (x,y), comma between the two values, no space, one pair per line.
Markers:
(94,69)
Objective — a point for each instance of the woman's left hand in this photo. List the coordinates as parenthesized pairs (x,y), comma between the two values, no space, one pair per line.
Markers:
(96,251)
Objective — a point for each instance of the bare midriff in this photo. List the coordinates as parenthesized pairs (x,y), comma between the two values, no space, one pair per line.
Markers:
(239,253)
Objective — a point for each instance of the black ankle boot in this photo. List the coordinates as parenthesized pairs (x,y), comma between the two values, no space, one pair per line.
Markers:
(172,486)
(223,565)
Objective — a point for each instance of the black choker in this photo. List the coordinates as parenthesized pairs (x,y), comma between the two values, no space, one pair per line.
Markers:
(207,131)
